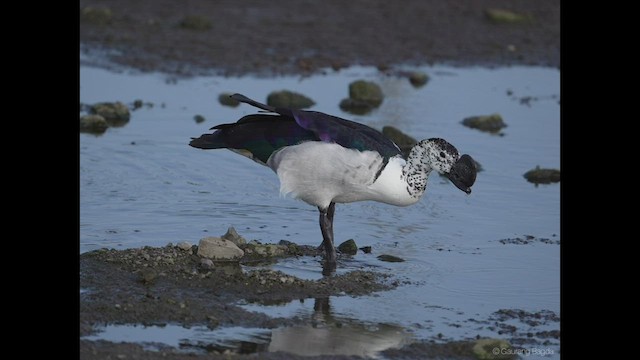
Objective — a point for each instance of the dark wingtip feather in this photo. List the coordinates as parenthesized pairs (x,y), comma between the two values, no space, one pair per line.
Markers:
(207,141)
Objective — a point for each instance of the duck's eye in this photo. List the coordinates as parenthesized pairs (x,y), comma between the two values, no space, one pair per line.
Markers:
(441,154)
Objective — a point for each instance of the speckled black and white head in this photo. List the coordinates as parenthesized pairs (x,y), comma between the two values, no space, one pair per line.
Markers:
(437,154)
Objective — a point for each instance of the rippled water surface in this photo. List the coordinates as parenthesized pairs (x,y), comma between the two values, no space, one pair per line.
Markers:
(141,184)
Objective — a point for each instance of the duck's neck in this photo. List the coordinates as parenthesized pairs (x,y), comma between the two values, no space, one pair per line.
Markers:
(417,169)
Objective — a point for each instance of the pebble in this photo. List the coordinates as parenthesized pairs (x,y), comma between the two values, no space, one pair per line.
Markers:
(206,264)
(184,245)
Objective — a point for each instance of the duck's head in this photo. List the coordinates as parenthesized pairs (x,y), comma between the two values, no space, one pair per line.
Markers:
(443,158)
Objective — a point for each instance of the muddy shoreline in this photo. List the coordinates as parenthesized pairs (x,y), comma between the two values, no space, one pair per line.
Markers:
(160,286)
(198,37)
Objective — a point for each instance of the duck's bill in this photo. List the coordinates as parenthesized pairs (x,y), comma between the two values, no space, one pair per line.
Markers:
(463,173)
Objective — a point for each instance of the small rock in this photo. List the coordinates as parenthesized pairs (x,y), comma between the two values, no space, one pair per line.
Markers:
(219,249)
(364,96)
(117,306)
(542,176)
(116,114)
(196,22)
(94,124)
(490,123)
(147,275)
(366,249)
(488,349)
(389,258)
(137,104)
(232,235)
(184,245)
(356,107)
(404,141)
(96,15)
(348,247)
(289,99)
(366,91)
(226,100)
(418,78)
(199,118)
(268,250)
(501,16)
(206,264)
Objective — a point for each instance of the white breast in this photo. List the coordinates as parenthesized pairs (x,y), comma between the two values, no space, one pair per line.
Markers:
(320,173)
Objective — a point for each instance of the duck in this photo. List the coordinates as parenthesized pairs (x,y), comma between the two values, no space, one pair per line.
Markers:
(323,160)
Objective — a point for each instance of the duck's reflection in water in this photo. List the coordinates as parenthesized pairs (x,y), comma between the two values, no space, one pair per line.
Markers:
(329,335)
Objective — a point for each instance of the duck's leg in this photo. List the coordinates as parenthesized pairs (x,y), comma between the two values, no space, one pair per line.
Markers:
(326,226)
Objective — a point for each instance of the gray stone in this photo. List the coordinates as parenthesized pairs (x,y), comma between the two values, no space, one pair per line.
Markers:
(219,249)
(184,245)
(232,235)
(206,264)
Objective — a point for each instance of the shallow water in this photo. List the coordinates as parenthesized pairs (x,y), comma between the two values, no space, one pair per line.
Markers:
(141,184)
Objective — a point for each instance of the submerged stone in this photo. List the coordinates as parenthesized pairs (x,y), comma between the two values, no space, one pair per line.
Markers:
(489,123)
(115,113)
(542,176)
(389,258)
(356,107)
(94,124)
(418,78)
(289,99)
(366,91)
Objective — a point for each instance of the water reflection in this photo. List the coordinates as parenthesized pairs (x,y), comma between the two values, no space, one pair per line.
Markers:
(331,335)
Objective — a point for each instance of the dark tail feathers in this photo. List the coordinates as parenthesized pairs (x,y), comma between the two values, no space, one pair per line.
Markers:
(208,141)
